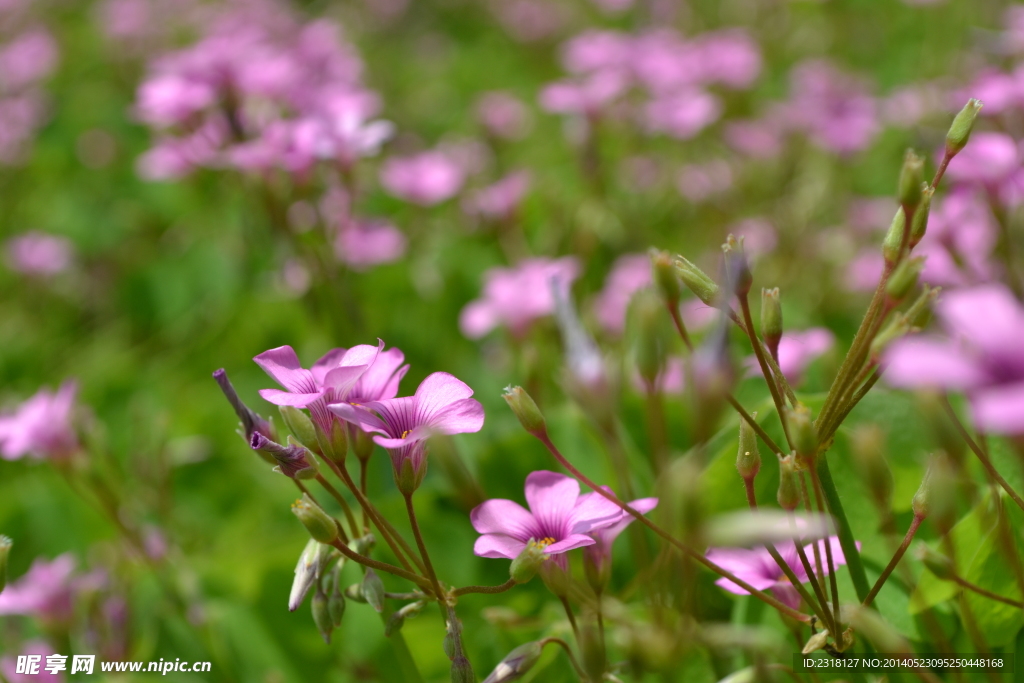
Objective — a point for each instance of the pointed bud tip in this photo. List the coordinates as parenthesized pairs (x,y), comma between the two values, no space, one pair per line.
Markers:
(525,408)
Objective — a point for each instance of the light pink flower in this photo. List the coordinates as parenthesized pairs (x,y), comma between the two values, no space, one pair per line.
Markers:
(30,57)
(36,253)
(596,50)
(9,665)
(962,234)
(796,351)
(980,354)
(516,297)
(760,139)
(503,115)
(41,426)
(48,590)
(501,199)
(629,274)
(832,107)
(600,554)
(757,567)
(989,159)
(559,518)
(682,114)
(426,179)
(701,182)
(587,96)
(365,243)
(759,236)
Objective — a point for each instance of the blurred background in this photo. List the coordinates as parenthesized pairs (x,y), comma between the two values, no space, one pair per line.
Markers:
(186,184)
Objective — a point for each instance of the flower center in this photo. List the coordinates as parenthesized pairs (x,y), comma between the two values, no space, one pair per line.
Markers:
(404,434)
(545,542)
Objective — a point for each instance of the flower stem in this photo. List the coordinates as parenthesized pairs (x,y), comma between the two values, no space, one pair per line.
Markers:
(769,378)
(568,651)
(846,540)
(383,566)
(986,462)
(894,561)
(833,581)
(423,548)
(508,585)
(572,617)
(343,503)
(699,557)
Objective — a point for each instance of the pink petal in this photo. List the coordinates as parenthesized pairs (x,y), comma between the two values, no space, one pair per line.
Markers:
(500,516)
(570,542)
(498,545)
(435,393)
(988,316)
(642,505)
(285,398)
(1000,409)
(552,497)
(283,366)
(326,363)
(594,511)
(923,362)
(460,417)
(358,415)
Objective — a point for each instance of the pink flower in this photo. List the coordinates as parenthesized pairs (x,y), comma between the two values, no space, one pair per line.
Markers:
(503,115)
(501,199)
(36,253)
(796,351)
(365,243)
(962,234)
(337,376)
(170,99)
(682,114)
(832,107)
(864,271)
(41,426)
(587,96)
(9,665)
(629,274)
(701,182)
(757,567)
(730,57)
(596,50)
(559,518)
(759,236)
(441,405)
(989,159)
(48,590)
(515,297)
(600,554)
(760,139)
(28,58)
(426,179)
(980,355)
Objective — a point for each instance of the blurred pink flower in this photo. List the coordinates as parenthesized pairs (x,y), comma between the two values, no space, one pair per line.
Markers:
(864,271)
(365,243)
(559,518)
(426,179)
(41,426)
(629,273)
(501,199)
(760,139)
(757,567)
(759,236)
(596,50)
(503,115)
(730,57)
(9,665)
(682,114)
(29,57)
(587,95)
(515,297)
(600,554)
(980,354)
(36,253)
(962,234)
(989,159)
(796,351)
(170,99)
(832,107)
(20,116)
(49,589)
(529,20)
(701,182)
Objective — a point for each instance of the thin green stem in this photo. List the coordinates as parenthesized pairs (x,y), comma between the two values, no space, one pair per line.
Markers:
(986,462)
(833,581)
(572,617)
(769,379)
(568,650)
(508,585)
(343,503)
(894,561)
(749,419)
(845,533)
(382,566)
(431,574)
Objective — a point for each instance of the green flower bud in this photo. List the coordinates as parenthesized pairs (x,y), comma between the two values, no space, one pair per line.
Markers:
(911,178)
(936,499)
(801,430)
(526,410)
(894,237)
(335,444)
(904,278)
(555,578)
(301,426)
(937,563)
(318,523)
(525,567)
(355,593)
(919,224)
(697,281)
(737,267)
(665,276)
(963,123)
(771,320)
(462,670)
(650,348)
(373,590)
(516,663)
(336,607)
(322,616)
(748,458)
(5,550)
(789,484)
(362,443)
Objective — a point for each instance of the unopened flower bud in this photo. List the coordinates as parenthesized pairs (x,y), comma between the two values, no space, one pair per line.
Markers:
(462,670)
(516,663)
(697,281)
(318,523)
(904,278)
(963,123)
(937,563)
(894,237)
(5,550)
(556,578)
(802,432)
(665,276)
(748,458)
(771,320)
(293,460)
(408,477)
(920,312)
(355,593)
(336,604)
(322,616)
(251,421)
(919,224)
(362,443)
(312,561)
(300,425)
(911,178)
(529,561)
(373,590)
(334,444)
(737,269)
(789,484)
(896,328)
(526,410)
(650,347)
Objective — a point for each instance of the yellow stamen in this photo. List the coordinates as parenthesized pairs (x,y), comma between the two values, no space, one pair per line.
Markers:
(405,433)
(545,542)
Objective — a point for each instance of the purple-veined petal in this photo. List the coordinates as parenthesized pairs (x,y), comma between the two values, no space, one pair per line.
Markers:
(435,393)
(552,497)
(923,362)
(358,415)
(498,545)
(594,511)
(500,516)
(570,542)
(325,364)
(341,380)
(999,409)
(283,366)
(459,417)
(611,532)
(381,380)
(361,354)
(285,398)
